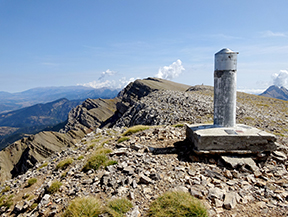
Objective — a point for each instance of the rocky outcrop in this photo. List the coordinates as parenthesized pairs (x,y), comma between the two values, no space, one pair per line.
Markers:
(168,107)
(90,114)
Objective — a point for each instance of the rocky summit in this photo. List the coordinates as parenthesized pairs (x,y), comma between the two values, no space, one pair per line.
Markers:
(142,164)
(150,163)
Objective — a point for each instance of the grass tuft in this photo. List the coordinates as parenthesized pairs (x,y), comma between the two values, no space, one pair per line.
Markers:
(91,146)
(178,125)
(31,182)
(80,157)
(135,129)
(6,201)
(118,207)
(98,159)
(122,139)
(176,204)
(64,163)
(43,165)
(87,206)
(95,162)
(7,188)
(55,186)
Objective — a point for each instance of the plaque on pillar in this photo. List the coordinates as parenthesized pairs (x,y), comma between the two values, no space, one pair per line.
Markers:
(225,136)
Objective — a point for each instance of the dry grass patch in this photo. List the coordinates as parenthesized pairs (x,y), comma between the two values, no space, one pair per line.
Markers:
(177,204)
(31,182)
(55,186)
(6,201)
(122,139)
(135,129)
(118,207)
(87,206)
(98,159)
(64,163)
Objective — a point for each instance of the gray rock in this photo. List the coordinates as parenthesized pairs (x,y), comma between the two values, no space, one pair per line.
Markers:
(45,200)
(215,193)
(235,162)
(144,179)
(278,155)
(231,199)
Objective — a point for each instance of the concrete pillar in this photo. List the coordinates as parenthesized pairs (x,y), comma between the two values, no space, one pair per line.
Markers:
(225,88)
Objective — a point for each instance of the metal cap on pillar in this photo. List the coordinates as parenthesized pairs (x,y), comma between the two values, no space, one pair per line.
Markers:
(225,88)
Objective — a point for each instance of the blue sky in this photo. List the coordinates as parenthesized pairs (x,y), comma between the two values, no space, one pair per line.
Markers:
(109,42)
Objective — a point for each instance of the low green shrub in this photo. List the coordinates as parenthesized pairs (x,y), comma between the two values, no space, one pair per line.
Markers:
(98,159)
(55,186)
(7,188)
(33,206)
(95,162)
(64,163)
(80,157)
(6,201)
(122,139)
(110,162)
(177,204)
(43,165)
(86,206)
(178,125)
(135,129)
(31,182)
(91,146)
(118,207)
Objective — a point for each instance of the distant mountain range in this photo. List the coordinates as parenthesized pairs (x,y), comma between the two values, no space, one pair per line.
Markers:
(276,92)
(13,101)
(32,111)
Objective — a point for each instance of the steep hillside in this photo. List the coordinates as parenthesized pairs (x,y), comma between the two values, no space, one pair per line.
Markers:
(18,157)
(276,92)
(33,119)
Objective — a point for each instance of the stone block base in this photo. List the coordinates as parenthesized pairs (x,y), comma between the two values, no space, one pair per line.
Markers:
(241,139)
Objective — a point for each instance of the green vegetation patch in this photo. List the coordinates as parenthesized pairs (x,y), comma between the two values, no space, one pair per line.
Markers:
(31,182)
(6,201)
(55,186)
(91,146)
(86,206)
(177,204)
(118,207)
(135,129)
(43,165)
(80,157)
(64,163)
(122,139)
(98,159)
(178,125)
(7,188)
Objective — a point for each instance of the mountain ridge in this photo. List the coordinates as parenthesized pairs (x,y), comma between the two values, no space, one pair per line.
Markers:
(276,92)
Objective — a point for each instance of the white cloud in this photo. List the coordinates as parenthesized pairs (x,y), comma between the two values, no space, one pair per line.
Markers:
(172,71)
(111,84)
(281,79)
(273,34)
(108,72)
(252,91)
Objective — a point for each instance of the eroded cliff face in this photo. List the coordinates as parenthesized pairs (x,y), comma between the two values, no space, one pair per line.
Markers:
(90,114)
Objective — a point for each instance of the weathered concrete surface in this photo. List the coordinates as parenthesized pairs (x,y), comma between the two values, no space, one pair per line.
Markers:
(239,139)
